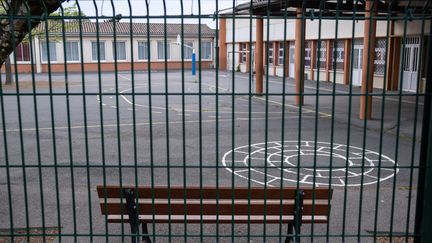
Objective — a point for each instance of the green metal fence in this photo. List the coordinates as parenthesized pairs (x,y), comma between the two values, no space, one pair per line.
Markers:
(288,94)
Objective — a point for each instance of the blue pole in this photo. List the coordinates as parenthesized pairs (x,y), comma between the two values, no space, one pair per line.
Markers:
(193,63)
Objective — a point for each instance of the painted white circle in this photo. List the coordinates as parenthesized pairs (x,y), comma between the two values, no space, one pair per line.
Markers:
(307,162)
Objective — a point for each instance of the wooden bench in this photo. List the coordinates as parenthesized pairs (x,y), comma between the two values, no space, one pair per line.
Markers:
(214,205)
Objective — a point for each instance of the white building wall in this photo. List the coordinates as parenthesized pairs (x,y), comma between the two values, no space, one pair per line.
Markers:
(328,29)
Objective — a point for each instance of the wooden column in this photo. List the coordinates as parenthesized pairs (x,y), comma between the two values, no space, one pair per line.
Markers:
(222,45)
(368,60)
(313,59)
(287,52)
(259,55)
(299,53)
(248,55)
(347,62)
(329,60)
(393,60)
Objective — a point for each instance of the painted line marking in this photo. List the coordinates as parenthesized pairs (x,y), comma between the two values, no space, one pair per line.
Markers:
(137,124)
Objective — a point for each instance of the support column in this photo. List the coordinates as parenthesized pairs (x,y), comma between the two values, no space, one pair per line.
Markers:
(299,53)
(222,45)
(313,59)
(248,55)
(368,60)
(329,60)
(37,55)
(259,54)
(347,62)
(287,53)
(393,60)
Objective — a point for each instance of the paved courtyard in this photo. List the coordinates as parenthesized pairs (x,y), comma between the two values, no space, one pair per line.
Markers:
(111,128)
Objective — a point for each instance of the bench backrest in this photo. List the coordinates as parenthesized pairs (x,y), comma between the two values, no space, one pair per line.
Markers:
(193,200)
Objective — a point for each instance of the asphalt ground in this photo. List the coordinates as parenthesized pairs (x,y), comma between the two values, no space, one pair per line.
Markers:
(61,143)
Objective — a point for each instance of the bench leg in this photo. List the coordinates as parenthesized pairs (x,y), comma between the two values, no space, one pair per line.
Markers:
(290,239)
(146,237)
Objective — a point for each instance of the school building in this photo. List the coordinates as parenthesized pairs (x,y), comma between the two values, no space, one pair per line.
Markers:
(326,50)
(97,42)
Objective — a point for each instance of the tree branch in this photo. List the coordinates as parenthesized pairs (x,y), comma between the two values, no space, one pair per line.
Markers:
(13,30)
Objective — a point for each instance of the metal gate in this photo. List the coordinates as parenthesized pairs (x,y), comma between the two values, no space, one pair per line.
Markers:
(134,121)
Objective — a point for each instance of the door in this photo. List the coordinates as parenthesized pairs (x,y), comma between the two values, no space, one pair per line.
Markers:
(357,65)
(410,63)
(291,59)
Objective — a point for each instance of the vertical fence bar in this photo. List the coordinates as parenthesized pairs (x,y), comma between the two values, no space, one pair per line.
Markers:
(183,118)
(350,95)
(233,19)
(284,84)
(399,114)
(7,163)
(383,102)
(151,147)
(69,122)
(422,57)
(423,214)
(84,100)
(250,79)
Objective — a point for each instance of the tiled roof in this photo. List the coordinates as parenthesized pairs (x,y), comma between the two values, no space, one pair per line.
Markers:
(139,29)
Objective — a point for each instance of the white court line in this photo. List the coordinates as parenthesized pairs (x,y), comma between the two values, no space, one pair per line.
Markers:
(142,124)
(339,91)
(279,103)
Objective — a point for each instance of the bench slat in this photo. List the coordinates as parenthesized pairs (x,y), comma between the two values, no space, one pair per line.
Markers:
(146,208)
(195,192)
(222,219)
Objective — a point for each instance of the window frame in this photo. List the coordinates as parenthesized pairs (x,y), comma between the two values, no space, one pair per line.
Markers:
(281,46)
(210,46)
(100,50)
(77,48)
(168,44)
(116,48)
(145,44)
(53,51)
(22,53)
(187,49)
(270,57)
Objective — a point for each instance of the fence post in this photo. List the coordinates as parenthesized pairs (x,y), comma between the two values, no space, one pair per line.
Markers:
(423,216)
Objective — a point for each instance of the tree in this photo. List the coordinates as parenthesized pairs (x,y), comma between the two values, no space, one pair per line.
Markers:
(14,30)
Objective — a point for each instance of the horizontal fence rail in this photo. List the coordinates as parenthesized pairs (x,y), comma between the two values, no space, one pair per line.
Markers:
(204,121)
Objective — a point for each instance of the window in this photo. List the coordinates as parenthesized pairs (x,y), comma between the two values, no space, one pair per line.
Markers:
(187,50)
(98,54)
(340,55)
(243,53)
(321,55)
(120,50)
(161,46)
(72,52)
(380,55)
(143,50)
(206,50)
(270,56)
(307,54)
(281,53)
(50,49)
(22,52)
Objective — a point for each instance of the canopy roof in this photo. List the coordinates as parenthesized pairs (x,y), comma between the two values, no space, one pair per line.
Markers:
(328,7)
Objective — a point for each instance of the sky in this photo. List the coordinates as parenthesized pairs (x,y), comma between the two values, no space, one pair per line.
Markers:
(156,7)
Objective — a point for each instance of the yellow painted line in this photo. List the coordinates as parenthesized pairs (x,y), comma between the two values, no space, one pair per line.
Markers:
(145,124)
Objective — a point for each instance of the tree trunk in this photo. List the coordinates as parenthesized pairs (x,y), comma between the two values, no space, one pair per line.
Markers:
(8,71)
(13,31)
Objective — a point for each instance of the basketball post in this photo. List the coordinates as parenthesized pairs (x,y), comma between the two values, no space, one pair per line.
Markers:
(193,53)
